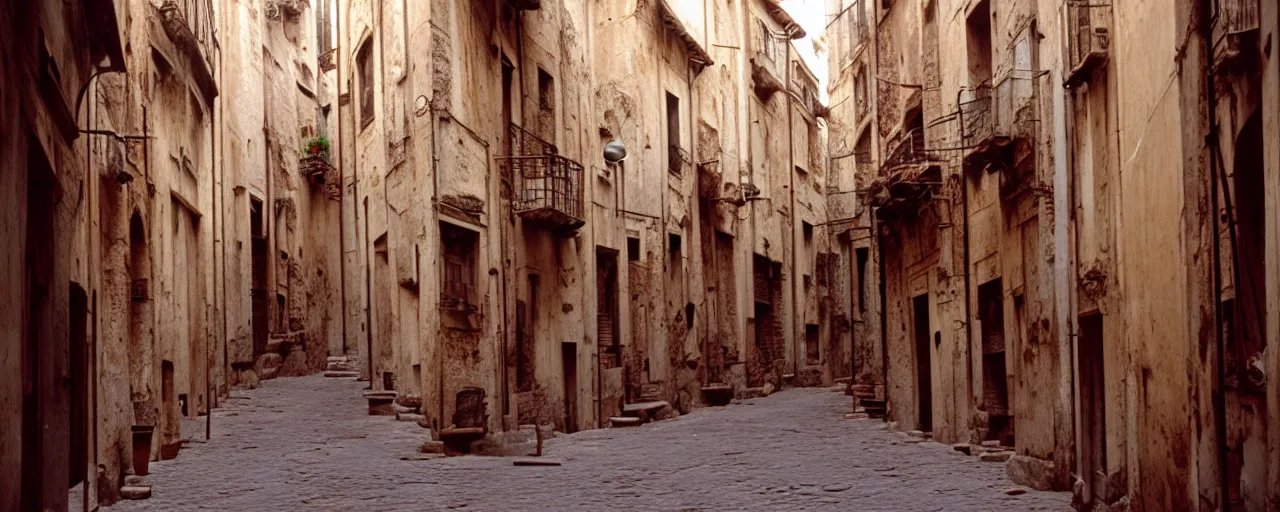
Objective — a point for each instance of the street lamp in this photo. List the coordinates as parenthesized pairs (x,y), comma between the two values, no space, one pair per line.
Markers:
(614,153)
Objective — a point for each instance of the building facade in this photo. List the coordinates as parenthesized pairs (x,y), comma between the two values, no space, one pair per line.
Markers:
(1068,231)
(561,285)
(220,192)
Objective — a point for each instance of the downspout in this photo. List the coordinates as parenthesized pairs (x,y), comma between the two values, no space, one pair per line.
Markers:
(797,313)
(1064,292)
(88,158)
(342,194)
(591,84)
(1205,28)
(878,239)
(692,230)
(222,204)
(208,352)
(367,303)
(968,285)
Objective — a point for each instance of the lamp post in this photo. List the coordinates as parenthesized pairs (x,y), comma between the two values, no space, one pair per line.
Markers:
(614,153)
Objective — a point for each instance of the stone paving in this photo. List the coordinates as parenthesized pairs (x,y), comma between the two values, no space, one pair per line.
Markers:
(305,444)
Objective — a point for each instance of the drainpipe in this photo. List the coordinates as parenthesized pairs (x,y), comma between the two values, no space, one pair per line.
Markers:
(208,357)
(222,204)
(878,239)
(1204,26)
(1062,263)
(796,313)
(342,194)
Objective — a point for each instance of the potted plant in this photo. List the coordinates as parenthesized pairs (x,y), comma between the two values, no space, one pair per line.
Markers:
(316,146)
(142,449)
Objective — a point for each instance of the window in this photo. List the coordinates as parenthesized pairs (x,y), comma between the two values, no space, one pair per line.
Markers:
(769,45)
(673,120)
(812,353)
(459,247)
(807,229)
(546,128)
(675,156)
(633,249)
(862,255)
(364,67)
(860,91)
(978,27)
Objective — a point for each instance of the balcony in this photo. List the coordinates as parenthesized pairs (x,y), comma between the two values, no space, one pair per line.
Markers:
(1239,16)
(548,186)
(1235,34)
(678,160)
(907,178)
(1088,39)
(190,21)
(525,5)
(998,123)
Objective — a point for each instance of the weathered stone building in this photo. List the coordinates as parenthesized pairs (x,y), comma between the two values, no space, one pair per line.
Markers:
(145,195)
(1068,205)
(52,51)
(219,192)
(561,285)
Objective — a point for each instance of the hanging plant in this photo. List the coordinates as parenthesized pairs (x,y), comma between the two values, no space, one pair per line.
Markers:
(316,146)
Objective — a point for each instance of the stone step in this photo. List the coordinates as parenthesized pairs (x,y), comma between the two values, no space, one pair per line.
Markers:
(381,402)
(269,373)
(432,447)
(133,481)
(717,394)
(996,456)
(341,374)
(409,417)
(401,409)
(337,359)
(625,421)
(135,492)
(536,462)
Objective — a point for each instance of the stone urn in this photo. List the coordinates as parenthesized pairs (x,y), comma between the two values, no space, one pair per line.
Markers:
(142,448)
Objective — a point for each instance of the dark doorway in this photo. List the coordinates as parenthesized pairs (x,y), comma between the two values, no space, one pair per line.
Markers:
(524,381)
(169,401)
(1249,316)
(569,359)
(995,383)
(38,274)
(607,308)
(611,382)
(812,350)
(261,304)
(924,364)
(382,350)
(79,392)
(1093,397)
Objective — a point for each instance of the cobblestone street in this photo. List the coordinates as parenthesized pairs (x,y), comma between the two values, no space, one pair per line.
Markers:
(306,444)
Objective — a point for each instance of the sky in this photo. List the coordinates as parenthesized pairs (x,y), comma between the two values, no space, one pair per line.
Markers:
(811,15)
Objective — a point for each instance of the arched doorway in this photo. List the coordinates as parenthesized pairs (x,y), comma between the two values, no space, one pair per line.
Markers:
(141,346)
(1244,315)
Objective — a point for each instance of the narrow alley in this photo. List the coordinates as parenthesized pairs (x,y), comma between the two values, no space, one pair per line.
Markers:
(744,254)
(275,448)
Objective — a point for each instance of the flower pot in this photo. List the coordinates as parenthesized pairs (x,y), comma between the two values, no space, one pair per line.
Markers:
(142,448)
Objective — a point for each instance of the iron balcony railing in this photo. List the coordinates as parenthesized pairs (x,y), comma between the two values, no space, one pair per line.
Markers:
(1088,36)
(909,150)
(548,185)
(991,112)
(198,17)
(1238,16)
(678,160)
